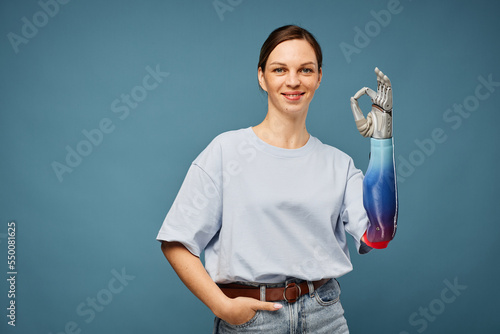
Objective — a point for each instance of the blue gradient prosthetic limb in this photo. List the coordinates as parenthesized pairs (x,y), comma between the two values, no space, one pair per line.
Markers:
(380,196)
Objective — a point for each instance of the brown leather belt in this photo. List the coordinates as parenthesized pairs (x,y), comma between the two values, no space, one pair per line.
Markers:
(291,292)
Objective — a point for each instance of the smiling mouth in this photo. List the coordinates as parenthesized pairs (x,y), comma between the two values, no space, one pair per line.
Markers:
(296,96)
(293,95)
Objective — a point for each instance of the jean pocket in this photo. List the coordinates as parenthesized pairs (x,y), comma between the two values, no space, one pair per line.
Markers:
(328,293)
(243,325)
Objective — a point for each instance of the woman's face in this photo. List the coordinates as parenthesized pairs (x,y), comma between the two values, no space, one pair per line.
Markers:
(291,77)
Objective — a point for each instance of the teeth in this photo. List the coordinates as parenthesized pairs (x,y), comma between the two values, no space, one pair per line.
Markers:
(292,94)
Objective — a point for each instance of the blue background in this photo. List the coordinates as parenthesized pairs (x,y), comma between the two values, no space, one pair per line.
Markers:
(105,214)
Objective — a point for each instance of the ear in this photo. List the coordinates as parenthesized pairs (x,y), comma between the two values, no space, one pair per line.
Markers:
(319,78)
(262,82)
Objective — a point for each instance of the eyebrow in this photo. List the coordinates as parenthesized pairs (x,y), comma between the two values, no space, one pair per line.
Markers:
(282,64)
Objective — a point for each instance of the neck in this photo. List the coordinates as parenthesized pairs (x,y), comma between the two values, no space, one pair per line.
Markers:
(284,132)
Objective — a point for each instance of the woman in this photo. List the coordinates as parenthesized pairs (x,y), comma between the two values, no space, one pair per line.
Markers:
(270,206)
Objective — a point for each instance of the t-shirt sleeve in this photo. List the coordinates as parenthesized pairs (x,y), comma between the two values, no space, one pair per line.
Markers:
(353,213)
(195,215)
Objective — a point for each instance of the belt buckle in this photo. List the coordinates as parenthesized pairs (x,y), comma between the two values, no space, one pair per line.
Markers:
(292,299)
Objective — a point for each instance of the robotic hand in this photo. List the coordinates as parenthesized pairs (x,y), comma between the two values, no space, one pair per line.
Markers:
(378,123)
(380,197)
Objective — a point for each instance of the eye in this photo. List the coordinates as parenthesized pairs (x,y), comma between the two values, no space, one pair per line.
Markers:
(307,70)
(279,70)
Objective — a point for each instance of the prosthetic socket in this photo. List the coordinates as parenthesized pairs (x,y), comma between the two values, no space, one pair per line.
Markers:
(380,197)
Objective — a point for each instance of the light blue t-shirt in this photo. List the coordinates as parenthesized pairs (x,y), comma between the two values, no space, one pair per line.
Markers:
(265,214)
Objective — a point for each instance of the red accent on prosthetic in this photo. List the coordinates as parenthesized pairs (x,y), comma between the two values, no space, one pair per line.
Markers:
(377,245)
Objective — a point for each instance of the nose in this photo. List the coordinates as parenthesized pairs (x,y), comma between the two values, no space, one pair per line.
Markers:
(292,79)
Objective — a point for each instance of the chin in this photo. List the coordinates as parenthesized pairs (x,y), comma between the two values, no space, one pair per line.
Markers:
(295,110)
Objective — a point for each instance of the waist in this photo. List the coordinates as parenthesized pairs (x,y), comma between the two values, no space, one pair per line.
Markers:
(290,290)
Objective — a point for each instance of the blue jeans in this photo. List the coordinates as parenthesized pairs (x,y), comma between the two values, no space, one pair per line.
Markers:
(317,312)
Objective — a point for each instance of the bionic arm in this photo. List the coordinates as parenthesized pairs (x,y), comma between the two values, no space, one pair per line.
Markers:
(380,197)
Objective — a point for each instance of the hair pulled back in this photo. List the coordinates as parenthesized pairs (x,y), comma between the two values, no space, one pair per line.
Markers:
(287,33)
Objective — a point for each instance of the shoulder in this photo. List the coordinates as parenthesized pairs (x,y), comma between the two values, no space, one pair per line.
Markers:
(332,152)
(338,160)
(228,139)
(220,144)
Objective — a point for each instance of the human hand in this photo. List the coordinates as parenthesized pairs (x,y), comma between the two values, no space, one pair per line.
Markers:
(237,311)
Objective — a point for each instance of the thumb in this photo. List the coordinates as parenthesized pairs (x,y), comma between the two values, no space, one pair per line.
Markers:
(356,111)
(267,306)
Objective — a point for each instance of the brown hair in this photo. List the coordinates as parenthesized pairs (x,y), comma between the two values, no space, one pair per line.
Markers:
(287,33)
